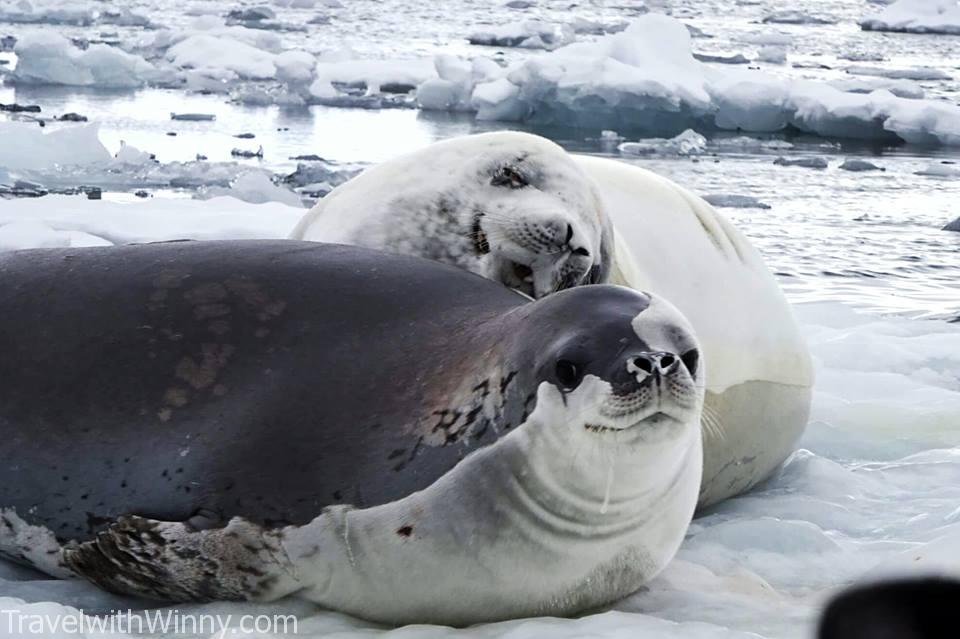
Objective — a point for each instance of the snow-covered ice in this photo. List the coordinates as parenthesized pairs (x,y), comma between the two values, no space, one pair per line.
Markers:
(529,34)
(853,164)
(613,82)
(941,169)
(872,491)
(734,201)
(49,58)
(916,16)
(687,143)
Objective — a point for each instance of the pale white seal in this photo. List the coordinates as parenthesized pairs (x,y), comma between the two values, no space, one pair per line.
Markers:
(512,207)
(665,240)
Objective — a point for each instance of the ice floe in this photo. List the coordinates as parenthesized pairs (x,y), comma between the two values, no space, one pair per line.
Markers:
(815,162)
(529,34)
(916,16)
(915,73)
(687,143)
(613,82)
(857,166)
(940,169)
(735,201)
(70,13)
(49,58)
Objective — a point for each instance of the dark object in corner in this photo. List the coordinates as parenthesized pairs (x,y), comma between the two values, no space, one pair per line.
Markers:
(915,608)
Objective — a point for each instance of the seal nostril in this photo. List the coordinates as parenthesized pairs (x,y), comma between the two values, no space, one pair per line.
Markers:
(569,233)
(644,364)
(581,251)
(691,359)
(667,360)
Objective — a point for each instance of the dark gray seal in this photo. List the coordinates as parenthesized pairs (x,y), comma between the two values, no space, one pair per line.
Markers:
(385,435)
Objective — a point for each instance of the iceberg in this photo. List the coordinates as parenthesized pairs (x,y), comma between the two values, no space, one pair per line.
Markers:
(916,16)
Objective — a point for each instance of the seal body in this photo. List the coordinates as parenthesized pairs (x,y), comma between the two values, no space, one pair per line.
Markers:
(512,207)
(759,372)
(384,435)
(664,240)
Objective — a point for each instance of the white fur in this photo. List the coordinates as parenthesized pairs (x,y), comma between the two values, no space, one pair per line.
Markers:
(425,203)
(552,519)
(671,242)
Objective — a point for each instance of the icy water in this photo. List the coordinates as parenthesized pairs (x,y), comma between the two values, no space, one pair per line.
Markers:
(876,485)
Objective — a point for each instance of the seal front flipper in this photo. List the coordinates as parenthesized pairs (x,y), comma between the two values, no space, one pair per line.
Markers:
(176,562)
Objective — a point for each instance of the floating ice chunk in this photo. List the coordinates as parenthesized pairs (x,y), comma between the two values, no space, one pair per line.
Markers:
(916,16)
(319,173)
(49,58)
(746,143)
(27,146)
(915,73)
(736,58)
(132,156)
(773,38)
(213,52)
(594,27)
(687,143)
(252,14)
(295,67)
(772,54)
(899,88)
(940,169)
(734,201)
(452,89)
(860,165)
(26,12)
(791,16)
(193,117)
(369,83)
(254,187)
(530,34)
(807,163)
(953,226)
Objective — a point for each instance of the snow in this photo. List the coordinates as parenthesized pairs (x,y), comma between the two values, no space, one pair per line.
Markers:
(916,16)
(49,58)
(61,220)
(873,490)
(613,82)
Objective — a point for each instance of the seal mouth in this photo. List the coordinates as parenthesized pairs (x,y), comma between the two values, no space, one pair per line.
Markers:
(658,417)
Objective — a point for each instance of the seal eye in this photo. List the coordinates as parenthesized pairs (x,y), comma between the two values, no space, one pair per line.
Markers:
(568,374)
(509,177)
